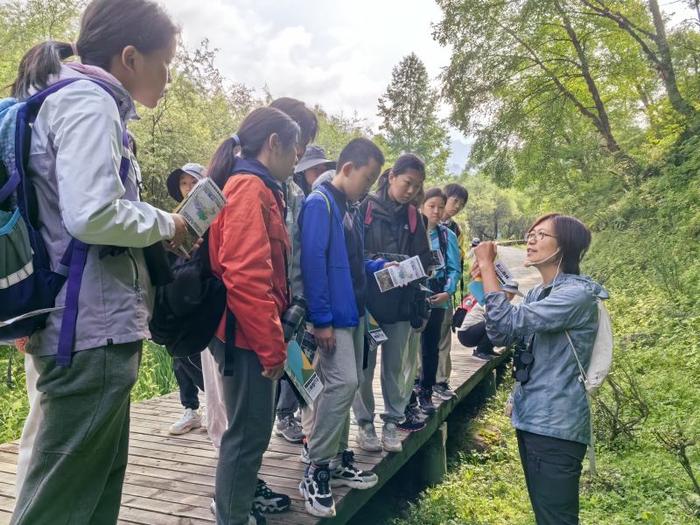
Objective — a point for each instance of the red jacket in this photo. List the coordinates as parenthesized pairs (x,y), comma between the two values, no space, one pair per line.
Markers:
(247,246)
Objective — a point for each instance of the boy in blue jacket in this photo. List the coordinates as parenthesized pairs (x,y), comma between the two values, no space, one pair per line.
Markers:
(334,271)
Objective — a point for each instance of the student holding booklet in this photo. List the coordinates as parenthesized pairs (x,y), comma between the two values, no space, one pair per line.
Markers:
(392,225)
(335,271)
(443,283)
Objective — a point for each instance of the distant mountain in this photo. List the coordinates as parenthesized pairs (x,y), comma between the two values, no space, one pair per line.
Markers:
(459,156)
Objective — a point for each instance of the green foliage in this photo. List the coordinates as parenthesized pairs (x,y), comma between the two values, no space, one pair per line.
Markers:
(493,212)
(410,123)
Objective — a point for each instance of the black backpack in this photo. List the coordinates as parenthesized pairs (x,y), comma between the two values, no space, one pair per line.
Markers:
(188,310)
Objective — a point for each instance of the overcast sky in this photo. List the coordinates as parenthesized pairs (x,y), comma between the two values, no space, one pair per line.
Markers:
(337,53)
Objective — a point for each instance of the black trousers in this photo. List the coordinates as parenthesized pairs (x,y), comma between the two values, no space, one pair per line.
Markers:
(476,336)
(430,347)
(552,470)
(188,374)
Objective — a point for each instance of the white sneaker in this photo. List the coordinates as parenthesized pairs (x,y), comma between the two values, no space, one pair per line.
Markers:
(315,489)
(367,438)
(189,421)
(391,440)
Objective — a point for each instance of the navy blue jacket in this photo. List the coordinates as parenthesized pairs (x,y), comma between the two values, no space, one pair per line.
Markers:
(325,268)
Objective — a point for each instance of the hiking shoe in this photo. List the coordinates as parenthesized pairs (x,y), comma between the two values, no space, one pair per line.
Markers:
(265,500)
(391,440)
(414,412)
(483,355)
(443,391)
(412,423)
(345,473)
(190,420)
(315,488)
(425,400)
(304,455)
(290,429)
(367,438)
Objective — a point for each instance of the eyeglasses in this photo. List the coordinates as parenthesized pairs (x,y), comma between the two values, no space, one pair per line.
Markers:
(539,235)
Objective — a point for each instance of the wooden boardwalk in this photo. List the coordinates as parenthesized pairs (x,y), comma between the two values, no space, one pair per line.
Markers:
(170,479)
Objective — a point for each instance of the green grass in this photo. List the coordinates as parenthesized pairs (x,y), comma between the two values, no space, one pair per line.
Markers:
(155,379)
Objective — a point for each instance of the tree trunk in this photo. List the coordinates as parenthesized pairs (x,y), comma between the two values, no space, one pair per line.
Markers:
(666,70)
(603,122)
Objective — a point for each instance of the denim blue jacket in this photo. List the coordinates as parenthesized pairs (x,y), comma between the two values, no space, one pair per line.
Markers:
(553,402)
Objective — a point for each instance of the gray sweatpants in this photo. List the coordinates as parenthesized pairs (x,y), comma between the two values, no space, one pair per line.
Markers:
(77,465)
(249,400)
(340,372)
(392,378)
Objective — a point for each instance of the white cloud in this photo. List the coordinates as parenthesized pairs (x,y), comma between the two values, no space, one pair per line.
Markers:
(335,53)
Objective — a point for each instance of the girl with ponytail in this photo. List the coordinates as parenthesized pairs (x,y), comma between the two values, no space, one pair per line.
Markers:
(75,444)
(248,250)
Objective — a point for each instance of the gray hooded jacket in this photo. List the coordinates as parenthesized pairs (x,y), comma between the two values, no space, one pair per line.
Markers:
(74,160)
(553,401)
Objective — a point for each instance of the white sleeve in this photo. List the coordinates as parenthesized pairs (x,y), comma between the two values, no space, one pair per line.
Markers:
(87,135)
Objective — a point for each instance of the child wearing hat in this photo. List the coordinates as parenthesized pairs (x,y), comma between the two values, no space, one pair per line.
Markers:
(187,370)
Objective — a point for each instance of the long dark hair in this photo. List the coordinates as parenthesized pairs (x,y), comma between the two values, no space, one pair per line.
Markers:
(406,162)
(573,238)
(106,28)
(303,116)
(251,138)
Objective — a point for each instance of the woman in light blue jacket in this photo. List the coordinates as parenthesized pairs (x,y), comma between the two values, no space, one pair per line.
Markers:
(550,410)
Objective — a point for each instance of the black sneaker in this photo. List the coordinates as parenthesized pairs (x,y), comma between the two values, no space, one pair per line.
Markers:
(345,473)
(414,411)
(411,424)
(443,391)
(315,488)
(266,500)
(425,400)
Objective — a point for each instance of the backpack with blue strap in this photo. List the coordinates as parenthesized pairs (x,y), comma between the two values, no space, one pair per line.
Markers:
(28,284)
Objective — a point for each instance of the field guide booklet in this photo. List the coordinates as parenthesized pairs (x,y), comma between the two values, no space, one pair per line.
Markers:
(400,275)
(476,288)
(299,366)
(199,209)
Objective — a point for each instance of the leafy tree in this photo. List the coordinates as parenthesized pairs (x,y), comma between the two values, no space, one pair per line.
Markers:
(410,123)
(26,23)
(650,35)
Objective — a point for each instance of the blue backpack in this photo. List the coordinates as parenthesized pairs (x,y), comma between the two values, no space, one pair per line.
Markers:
(28,284)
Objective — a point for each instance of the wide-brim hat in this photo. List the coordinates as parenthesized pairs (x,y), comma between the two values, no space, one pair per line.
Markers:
(313,156)
(195,170)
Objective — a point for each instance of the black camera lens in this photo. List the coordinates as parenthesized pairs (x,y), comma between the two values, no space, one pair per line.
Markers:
(526,358)
(522,375)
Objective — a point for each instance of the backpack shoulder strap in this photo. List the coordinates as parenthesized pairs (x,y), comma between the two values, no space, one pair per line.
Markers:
(325,198)
(368,213)
(412,218)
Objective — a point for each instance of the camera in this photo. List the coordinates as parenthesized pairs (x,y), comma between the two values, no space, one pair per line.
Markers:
(293,317)
(421,307)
